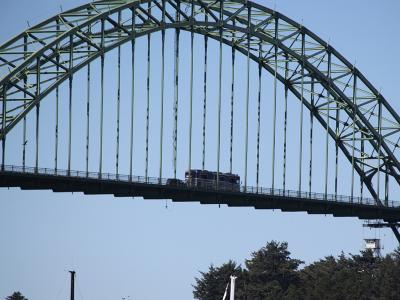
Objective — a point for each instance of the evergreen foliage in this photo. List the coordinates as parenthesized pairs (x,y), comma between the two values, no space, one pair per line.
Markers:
(16,296)
(271,273)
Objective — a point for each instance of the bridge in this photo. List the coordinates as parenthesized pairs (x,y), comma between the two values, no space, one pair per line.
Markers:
(116,87)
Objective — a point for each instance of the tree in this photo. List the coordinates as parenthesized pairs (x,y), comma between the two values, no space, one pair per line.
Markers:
(353,277)
(389,274)
(269,274)
(212,284)
(16,296)
(272,273)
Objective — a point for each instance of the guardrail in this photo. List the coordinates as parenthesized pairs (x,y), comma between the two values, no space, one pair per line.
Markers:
(210,186)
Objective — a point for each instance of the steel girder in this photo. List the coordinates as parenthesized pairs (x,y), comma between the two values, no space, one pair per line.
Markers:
(358,118)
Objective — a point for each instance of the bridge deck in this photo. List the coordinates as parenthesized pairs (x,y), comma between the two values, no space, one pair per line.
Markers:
(156,188)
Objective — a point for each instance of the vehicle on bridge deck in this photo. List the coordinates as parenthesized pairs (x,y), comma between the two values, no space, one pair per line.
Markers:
(174,182)
(204,179)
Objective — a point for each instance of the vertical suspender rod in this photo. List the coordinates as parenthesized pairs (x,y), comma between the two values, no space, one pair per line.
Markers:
(101,99)
(57,105)
(221,2)
(301,110)
(353,135)
(191,88)
(133,42)
(205,96)
(247,97)
(232,99)
(118,100)
(379,148)
(259,116)
(71,53)
(337,149)
(3,123)
(362,166)
(327,129)
(285,123)
(311,136)
(24,140)
(386,189)
(162,90)
(176,91)
(274,106)
(88,110)
(148,97)
(37,113)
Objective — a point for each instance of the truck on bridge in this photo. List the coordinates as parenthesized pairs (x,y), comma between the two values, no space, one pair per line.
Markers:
(204,179)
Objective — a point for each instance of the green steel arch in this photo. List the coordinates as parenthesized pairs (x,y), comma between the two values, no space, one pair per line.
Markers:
(357,117)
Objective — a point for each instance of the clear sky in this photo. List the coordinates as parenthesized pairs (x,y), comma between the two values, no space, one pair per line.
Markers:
(136,248)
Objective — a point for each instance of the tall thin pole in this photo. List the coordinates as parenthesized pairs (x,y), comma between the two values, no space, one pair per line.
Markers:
(274,107)
(88,113)
(132,94)
(232,291)
(37,113)
(162,90)
(259,116)
(176,90)
(148,98)
(301,111)
(232,100)
(70,104)
(285,123)
(337,149)
(191,89)
(72,292)
(3,123)
(311,137)
(24,141)
(205,97)
(386,189)
(57,107)
(327,128)
(379,147)
(101,99)
(247,98)
(118,100)
(353,135)
(219,93)
(362,166)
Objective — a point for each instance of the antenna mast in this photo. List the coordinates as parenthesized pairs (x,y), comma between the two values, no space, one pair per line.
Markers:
(72,284)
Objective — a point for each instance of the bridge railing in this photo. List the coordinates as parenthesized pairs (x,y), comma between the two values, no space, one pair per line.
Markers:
(206,185)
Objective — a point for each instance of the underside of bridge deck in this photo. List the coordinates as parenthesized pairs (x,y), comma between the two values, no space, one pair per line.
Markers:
(91,186)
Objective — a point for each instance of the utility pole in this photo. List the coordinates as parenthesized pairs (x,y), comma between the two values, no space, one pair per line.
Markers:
(72,285)
(232,293)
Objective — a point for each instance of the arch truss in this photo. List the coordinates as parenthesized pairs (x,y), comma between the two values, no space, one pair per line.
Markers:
(357,117)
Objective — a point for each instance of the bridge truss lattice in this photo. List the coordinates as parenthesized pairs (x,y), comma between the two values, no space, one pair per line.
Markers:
(355,116)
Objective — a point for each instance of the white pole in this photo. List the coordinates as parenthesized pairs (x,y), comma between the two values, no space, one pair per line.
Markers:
(232,293)
(226,292)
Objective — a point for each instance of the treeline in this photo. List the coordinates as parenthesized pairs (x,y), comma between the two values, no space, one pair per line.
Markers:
(271,273)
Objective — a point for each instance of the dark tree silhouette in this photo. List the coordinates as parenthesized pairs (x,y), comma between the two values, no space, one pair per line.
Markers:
(212,284)
(16,296)
(271,273)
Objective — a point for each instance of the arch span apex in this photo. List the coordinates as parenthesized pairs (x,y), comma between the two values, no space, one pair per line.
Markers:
(302,61)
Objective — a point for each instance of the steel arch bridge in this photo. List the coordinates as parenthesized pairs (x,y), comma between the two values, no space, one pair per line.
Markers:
(322,115)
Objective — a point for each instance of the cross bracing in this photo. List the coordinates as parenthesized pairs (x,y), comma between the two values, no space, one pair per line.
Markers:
(357,118)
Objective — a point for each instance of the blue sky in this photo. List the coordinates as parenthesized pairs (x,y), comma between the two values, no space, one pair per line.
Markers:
(122,247)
